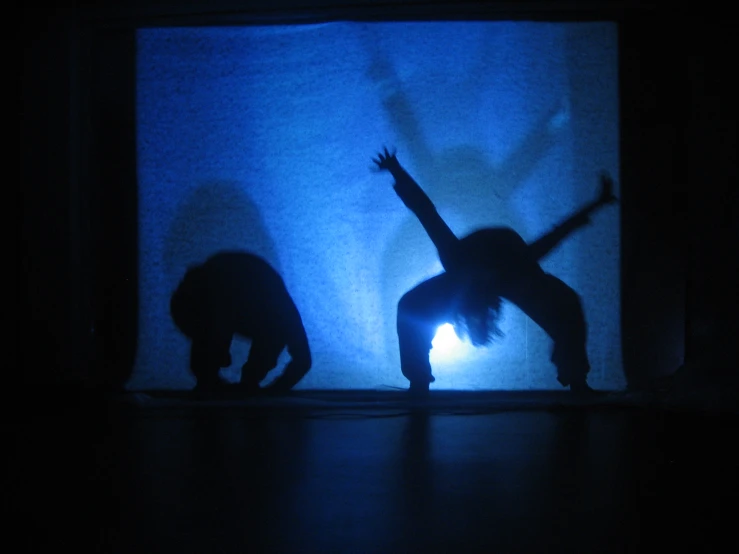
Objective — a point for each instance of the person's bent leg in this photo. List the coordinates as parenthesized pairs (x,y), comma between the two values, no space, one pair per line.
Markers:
(569,354)
(206,358)
(557,309)
(420,312)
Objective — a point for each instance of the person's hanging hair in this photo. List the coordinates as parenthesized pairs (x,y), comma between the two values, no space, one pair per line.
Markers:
(478,313)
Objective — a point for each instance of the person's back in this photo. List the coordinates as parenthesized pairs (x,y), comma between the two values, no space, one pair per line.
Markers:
(500,251)
(235,290)
(248,291)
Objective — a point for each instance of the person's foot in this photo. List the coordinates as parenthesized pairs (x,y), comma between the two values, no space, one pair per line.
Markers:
(582,388)
(209,388)
(249,389)
(418,389)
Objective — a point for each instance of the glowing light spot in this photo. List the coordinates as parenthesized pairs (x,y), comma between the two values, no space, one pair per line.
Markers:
(446,339)
(449,352)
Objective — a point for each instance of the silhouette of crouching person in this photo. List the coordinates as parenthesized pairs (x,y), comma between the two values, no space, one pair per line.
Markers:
(238,293)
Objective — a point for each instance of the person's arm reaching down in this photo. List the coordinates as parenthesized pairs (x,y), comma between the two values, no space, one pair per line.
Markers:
(297,346)
(419,203)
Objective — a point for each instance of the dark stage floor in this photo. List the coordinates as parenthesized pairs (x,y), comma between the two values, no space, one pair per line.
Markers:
(370,472)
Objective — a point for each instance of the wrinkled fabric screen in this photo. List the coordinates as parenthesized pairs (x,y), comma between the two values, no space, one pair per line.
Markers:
(261,138)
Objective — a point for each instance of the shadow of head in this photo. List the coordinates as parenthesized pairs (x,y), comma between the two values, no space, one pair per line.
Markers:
(216,216)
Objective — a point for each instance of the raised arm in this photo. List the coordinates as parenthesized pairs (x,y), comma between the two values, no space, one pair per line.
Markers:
(416,201)
(545,244)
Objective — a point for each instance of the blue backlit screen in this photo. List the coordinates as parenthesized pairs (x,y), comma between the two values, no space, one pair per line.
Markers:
(260,138)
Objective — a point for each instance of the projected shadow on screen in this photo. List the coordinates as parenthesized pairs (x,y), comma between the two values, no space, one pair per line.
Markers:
(217,216)
(239,293)
(446,175)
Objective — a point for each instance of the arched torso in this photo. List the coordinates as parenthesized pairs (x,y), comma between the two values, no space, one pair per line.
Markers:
(503,254)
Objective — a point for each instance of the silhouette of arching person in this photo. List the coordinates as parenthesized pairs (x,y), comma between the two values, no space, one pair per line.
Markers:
(480,270)
(443,171)
(239,293)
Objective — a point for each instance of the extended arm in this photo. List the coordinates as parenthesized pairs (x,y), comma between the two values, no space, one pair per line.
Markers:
(419,203)
(545,244)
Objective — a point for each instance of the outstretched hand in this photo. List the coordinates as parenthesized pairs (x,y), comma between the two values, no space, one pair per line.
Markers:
(386,161)
(606,190)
